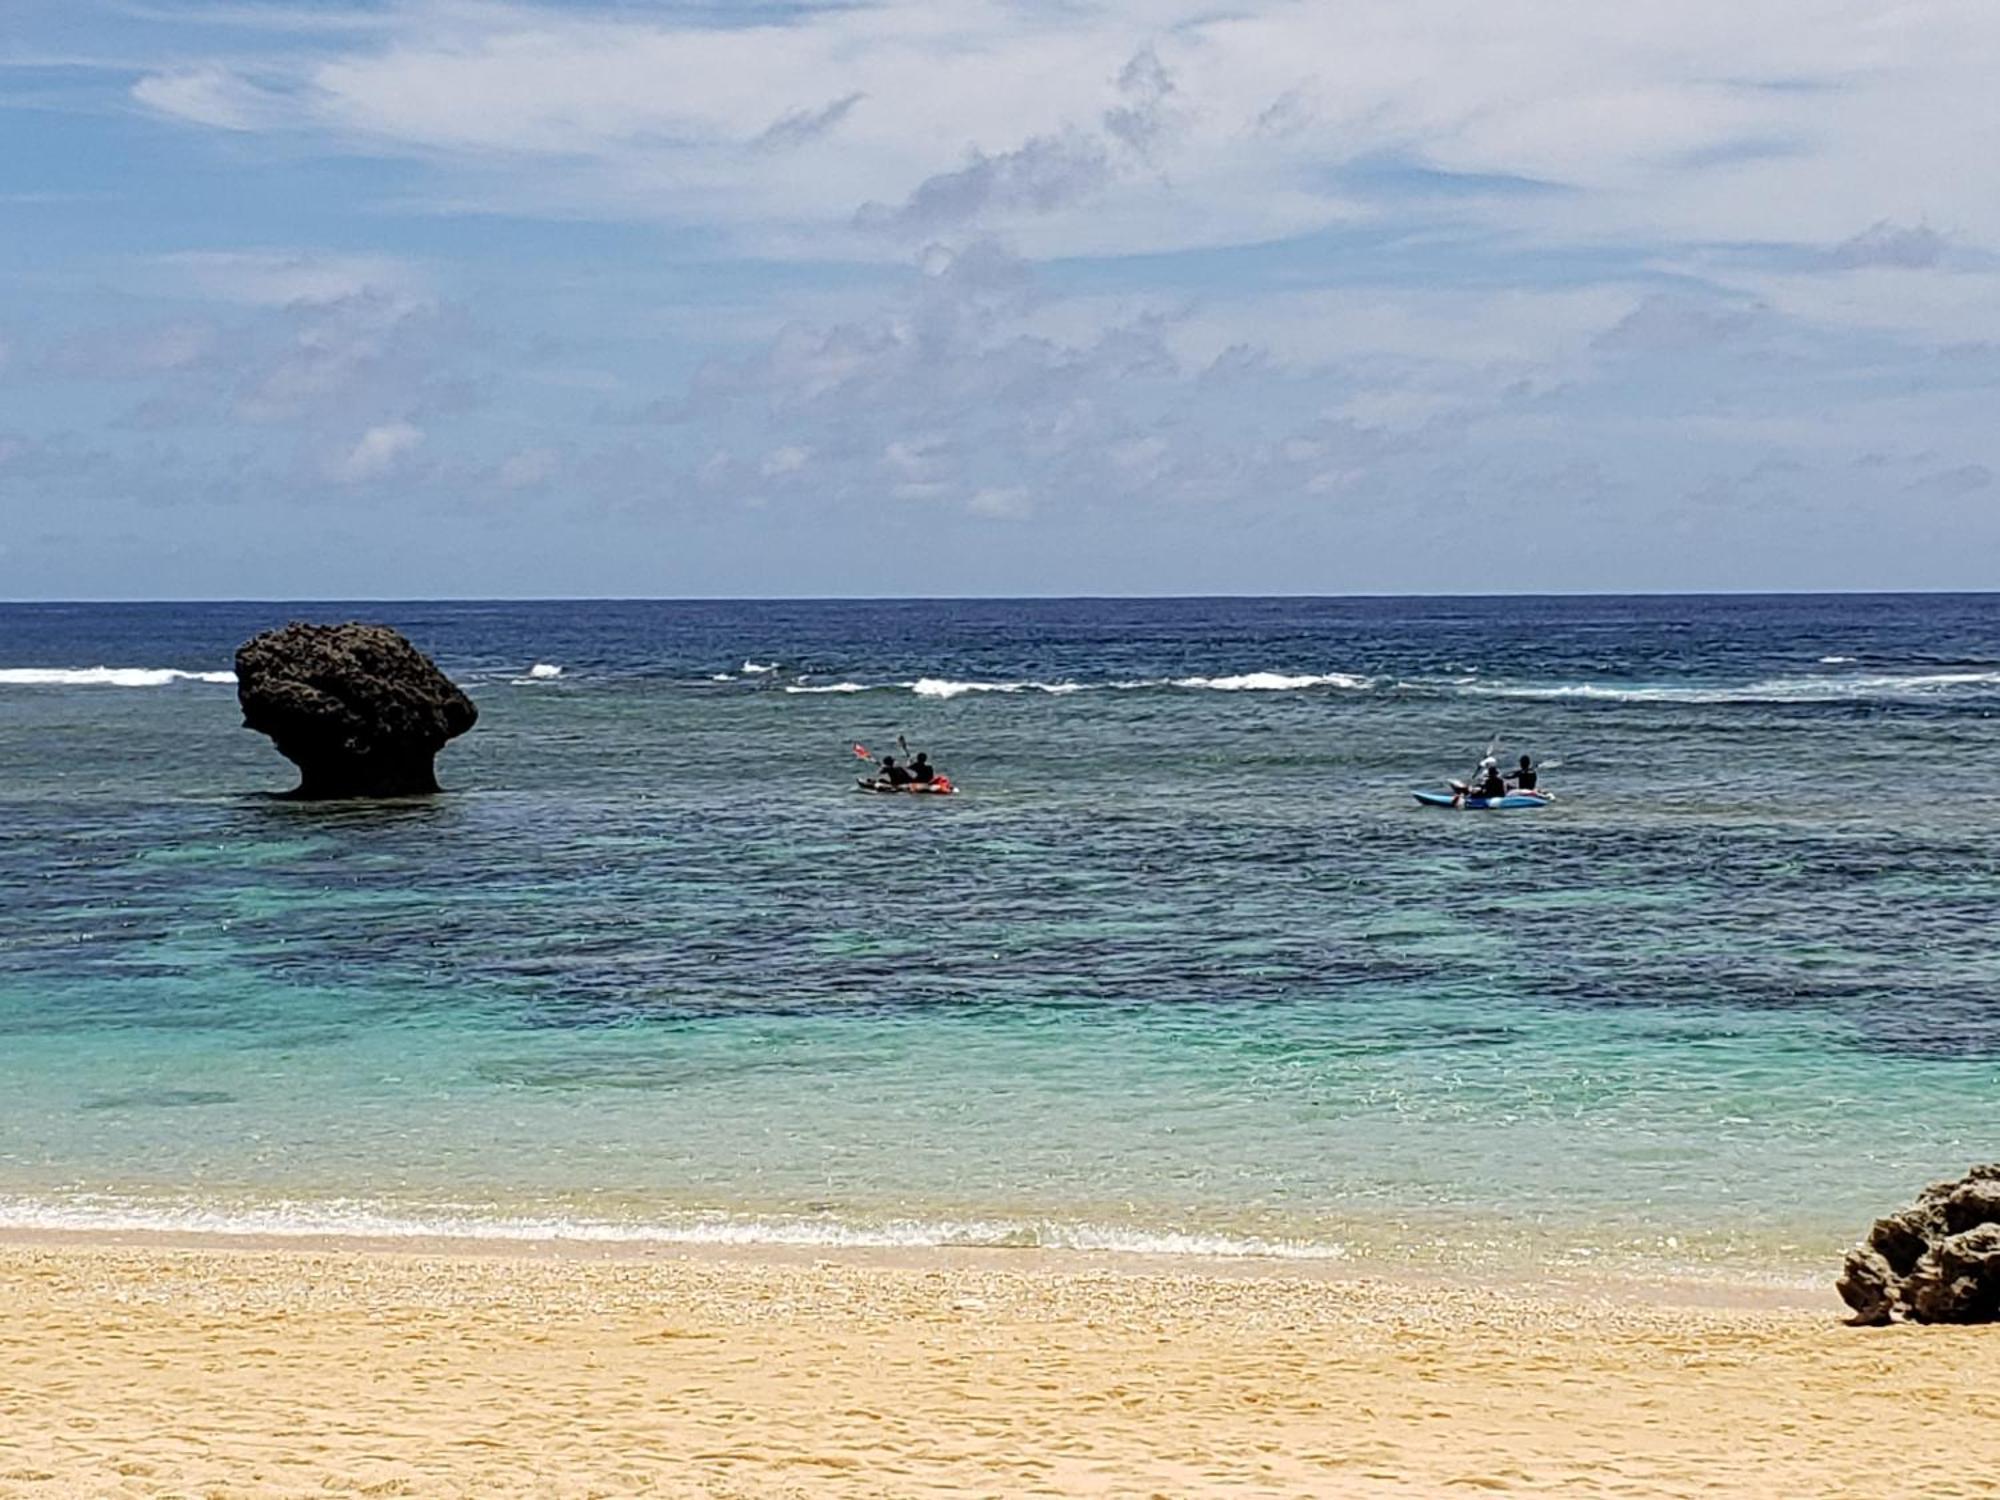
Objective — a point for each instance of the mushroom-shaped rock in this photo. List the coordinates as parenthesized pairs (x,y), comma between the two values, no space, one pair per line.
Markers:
(357,708)
(1937,1261)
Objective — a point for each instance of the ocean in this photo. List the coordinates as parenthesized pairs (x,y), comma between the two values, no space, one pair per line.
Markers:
(1184,969)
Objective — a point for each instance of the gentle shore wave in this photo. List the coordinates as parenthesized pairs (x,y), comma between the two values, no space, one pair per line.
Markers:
(342,1220)
(1442,1244)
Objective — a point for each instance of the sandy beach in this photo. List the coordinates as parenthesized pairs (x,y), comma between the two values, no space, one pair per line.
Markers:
(155,1369)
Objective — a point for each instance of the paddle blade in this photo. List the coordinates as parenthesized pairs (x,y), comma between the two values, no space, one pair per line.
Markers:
(861,753)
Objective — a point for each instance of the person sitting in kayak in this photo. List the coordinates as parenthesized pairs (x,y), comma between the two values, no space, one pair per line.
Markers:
(892,773)
(921,770)
(1525,776)
(1491,784)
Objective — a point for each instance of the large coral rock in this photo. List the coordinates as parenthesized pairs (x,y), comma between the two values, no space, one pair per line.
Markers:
(358,709)
(1937,1261)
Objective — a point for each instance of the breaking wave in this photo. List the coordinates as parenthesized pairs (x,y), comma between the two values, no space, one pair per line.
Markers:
(1265,682)
(124,677)
(1830,686)
(1776,690)
(949,687)
(942,687)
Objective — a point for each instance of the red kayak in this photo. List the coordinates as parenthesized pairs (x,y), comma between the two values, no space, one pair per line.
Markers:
(941,787)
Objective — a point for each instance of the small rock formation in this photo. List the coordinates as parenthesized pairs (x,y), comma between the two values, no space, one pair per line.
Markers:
(357,708)
(1937,1261)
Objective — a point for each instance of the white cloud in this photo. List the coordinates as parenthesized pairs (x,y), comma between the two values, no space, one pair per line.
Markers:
(1042,176)
(379,451)
(1668,322)
(212,95)
(134,353)
(345,361)
(783,461)
(1907,247)
(1939,306)
(1614,250)
(528,468)
(1950,484)
(799,127)
(285,278)
(1163,124)
(1006,503)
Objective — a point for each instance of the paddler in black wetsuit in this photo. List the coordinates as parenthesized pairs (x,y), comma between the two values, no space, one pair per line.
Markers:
(1494,786)
(892,773)
(1481,779)
(1524,776)
(921,770)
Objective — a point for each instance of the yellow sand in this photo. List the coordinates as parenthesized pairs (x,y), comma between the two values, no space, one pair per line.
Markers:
(211,1372)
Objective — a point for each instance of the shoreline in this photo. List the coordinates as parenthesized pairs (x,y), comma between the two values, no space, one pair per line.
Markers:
(1723,1287)
(1450,1244)
(150,1369)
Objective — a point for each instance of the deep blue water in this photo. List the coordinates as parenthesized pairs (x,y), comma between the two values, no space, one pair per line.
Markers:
(1183,966)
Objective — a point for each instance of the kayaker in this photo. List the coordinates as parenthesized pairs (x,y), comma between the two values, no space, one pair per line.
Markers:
(1525,775)
(1492,784)
(921,769)
(892,773)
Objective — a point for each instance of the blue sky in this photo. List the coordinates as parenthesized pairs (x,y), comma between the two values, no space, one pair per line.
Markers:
(441,297)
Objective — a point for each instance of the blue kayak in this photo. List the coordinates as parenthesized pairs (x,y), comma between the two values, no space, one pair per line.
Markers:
(1508,803)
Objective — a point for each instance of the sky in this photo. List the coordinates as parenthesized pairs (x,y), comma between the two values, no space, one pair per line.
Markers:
(445,298)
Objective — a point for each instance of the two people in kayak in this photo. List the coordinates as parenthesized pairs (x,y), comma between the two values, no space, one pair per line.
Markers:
(919,772)
(1490,782)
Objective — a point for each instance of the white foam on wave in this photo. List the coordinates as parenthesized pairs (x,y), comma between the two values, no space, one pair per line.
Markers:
(944,687)
(758,669)
(1829,689)
(1929,682)
(1835,661)
(950,687)
(1246,682)
(342,1218)
(124,677)
(543,671)
(1270,682)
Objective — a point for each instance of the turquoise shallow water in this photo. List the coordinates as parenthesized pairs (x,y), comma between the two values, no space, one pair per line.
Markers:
(1183,969)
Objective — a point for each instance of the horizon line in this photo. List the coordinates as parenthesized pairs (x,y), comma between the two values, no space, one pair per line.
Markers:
(1524,594)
